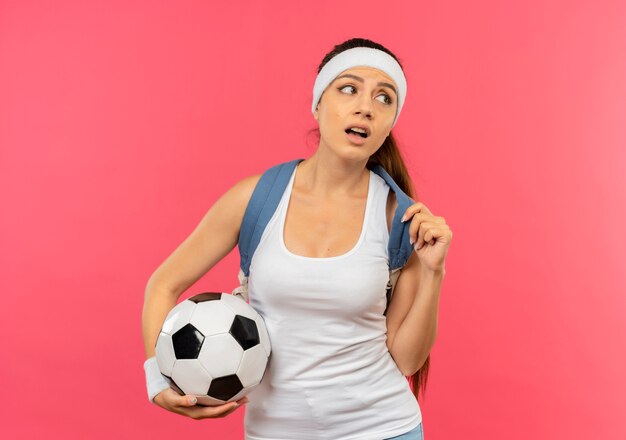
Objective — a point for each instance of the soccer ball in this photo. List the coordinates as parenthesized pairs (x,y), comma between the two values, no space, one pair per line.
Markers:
(214,346)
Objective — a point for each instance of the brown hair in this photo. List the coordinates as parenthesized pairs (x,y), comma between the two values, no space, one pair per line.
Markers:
(388,155)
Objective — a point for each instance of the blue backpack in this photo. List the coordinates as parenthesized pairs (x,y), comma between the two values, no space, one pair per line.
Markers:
(264,201)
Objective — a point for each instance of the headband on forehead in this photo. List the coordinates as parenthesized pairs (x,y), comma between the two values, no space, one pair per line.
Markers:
(361,56)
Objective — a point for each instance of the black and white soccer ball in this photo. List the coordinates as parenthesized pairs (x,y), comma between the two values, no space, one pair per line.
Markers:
(214,346)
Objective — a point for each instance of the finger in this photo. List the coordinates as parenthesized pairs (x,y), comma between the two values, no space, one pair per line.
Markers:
(169,399)
(229,406)
(414,209)
(424,233)
(432,235)
(214,411)
(416,226)
(203,412)
(429,236)
(182,401)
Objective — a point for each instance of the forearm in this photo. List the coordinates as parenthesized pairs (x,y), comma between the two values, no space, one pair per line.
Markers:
(157,304)
(417,333)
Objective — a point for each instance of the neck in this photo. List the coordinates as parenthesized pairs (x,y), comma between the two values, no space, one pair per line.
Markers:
(331,177)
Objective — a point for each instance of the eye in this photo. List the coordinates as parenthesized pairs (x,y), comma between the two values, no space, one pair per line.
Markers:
(387,101)
(341,88)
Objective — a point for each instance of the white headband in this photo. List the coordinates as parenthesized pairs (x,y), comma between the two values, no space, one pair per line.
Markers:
(360,56)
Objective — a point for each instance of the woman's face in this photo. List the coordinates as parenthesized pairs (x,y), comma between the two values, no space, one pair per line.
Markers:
(362,96)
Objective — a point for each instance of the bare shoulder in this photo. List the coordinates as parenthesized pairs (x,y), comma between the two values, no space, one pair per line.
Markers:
(245,187)
(239,195)
(213,238)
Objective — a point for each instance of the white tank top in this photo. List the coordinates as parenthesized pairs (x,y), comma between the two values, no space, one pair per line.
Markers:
(330,374)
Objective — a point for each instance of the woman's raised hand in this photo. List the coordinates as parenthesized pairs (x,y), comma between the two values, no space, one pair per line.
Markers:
(186,405)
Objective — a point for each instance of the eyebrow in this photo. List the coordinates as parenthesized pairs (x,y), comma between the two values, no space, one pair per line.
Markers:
(358,78)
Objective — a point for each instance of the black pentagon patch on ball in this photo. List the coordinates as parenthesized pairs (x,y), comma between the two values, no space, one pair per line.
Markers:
(206,296)
(244,331)
(225,387)
(174,386)
(187,342)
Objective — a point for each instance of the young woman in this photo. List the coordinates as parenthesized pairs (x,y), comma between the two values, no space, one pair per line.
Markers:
(339,363)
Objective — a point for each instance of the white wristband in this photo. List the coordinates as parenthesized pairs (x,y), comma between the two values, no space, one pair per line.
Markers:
(155,381)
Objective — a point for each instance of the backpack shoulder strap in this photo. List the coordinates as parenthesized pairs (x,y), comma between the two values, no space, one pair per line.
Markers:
(399,246)
(261,207)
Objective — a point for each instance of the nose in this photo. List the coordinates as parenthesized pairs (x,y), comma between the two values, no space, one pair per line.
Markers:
(364,106)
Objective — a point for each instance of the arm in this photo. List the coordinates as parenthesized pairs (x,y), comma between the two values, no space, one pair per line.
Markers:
(157,304)
(212,239)
(412,315)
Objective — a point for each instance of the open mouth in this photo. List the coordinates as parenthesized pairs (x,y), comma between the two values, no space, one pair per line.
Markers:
(351,131)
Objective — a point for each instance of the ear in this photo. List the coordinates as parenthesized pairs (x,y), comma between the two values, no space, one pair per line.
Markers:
(315,115)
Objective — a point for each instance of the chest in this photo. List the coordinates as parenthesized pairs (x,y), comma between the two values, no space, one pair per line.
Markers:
(318,229)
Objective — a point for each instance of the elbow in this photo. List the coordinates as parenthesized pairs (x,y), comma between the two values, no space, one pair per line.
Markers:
(154,287)
(409,371)
(405,368)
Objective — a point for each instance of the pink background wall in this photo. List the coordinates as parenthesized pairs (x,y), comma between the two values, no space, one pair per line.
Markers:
(122,122)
